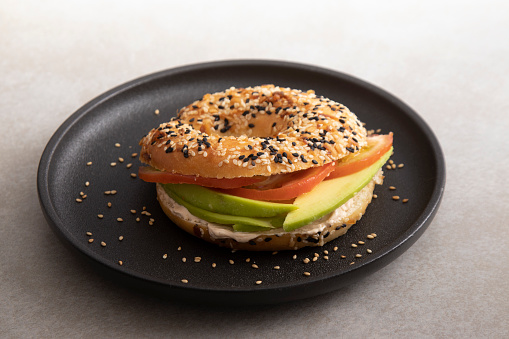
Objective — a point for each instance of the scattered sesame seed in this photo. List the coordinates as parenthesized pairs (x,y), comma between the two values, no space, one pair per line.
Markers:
(107,192)
(375,196)
(353,262)
(326,257)
(165,256)
(315,258)
(89,163)
(113,191)
(138,219)
(184,259)
(134,155)
(358,255)
(307,274)
(133,211)
(113,164)
(87,183)
(306,260)
(277,267)
(343,257)
(369,236)
(197,259)
(335,248)
(388,167)
(254,266)
(360,242)
(258,282)
(120,219)
(395,197)
(392,188)
(248,259)
(89,233)
(325,252)
(369,251)
(84,196)
(179,248)
(214,264)
(129,165)
(185,281)
(354,245)
(401,165)
(374,235)
(120,262)
(274,253)
(133,175)
(79,200)
(121,238)
(117,145)
(391,162)
(103,244)
(156,112)
(100,216)
(120,159)
(294,256)
(393,166)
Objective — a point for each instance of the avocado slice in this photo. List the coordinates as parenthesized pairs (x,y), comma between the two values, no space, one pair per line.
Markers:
(222,203)
(224,218)
(329,195)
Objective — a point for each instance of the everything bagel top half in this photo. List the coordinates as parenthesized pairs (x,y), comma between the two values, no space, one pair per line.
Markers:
(254,131)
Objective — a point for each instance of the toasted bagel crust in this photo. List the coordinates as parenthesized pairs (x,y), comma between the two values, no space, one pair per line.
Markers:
(245,132)
(334,225)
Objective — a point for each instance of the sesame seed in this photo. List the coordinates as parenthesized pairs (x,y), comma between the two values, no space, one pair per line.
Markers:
(185,281)
(89,233)
(358,255)
(277,267)
(369,236)
(138,219)
(335,248)
(109,204)
(315,258)
(374,235)
(133,175)
(353,262)
(391,162)
(343,257)
(231,262)
(87,184)
(129,165)
(325,252)
(84,196)
(165,256)
(369,251)
(197,259)
(120,159)
(121,238)
(361,242)
(184,259)
(405,200)
(133,211)
(395,197)
(388,167)
(214,264)
(307,274)
(258,282)
(326,257)
(100,216)
(294,256)
(113,192)
(274,253)
(393,166)
(248,259)
(156,112)
(107,192)
(392,188)
(103,244)
(401,165)
(354,245)
(120,219)
(117,145)
(134,155)
(254,266)
(316,255)
(79,200)
(306,260)
(375,196)
(89,163)
(113,164)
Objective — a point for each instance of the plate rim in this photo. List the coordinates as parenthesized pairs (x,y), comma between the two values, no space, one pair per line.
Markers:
(406,238)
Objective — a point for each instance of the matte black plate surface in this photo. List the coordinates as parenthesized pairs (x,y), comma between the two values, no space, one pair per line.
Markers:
(124,114)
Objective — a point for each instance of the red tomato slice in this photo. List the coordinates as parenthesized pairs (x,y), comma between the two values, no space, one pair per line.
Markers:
(150,174)
(377,146)
(297,183)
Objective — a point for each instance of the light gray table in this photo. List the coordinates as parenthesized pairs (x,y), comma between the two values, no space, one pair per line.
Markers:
(447,60)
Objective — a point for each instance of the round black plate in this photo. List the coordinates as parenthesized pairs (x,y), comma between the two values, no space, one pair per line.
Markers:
(152,255)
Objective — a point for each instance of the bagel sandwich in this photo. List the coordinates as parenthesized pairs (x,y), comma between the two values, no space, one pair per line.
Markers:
(264,168)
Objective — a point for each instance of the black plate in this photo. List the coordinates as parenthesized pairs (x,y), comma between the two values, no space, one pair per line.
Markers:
(124,114)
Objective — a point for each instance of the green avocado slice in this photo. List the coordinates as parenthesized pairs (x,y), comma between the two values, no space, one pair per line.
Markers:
(329,195)
(222,203)
(224,218)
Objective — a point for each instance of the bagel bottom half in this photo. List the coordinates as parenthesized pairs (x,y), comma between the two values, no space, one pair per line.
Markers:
(317,233)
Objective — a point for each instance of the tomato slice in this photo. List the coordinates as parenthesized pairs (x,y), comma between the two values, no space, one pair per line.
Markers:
(295,184)
(377,146)
(150,174)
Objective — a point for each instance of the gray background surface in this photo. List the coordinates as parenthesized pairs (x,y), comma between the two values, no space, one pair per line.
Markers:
(447,60)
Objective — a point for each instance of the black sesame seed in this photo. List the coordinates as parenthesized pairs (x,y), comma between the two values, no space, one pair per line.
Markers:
(242,157)
(350,149)
(251,125)
(169,150)
(314,162)
(268,239)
